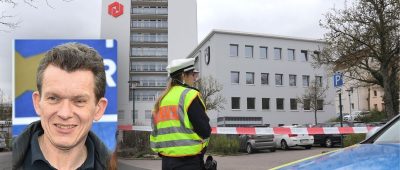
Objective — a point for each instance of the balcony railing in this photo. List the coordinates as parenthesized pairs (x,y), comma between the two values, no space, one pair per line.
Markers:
(149,11)
(149,68)
(149,24)
(149,38)
(152,83)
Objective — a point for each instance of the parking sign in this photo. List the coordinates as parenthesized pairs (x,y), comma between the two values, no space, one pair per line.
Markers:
(337,80)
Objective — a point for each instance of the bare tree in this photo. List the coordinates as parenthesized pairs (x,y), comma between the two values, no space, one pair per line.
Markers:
(364,42)
(209,89)
(313,98)
(10,22)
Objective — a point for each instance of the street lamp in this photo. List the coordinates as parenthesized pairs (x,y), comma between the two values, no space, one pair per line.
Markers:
(350,91)
(132,85)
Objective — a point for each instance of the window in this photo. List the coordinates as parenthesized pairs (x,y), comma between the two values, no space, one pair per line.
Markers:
(277,53)
(251,103)
(293,104)
(318,80)
(320,105)
(279,79)
(147,114)
(235,102)
(264,78)
(279,104)
(234,50)
(316,54)
(304,56)
(291,56)
(263,52)
(136,115)
(249,77)
(306,80)
(248,51)
(307,104)
(234,77)
(292,80)
(375,93)
(265,103)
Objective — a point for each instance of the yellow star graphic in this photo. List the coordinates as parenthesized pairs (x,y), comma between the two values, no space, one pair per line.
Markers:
(25,72)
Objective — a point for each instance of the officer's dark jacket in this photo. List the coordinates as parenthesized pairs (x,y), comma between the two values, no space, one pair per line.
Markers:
(22,143)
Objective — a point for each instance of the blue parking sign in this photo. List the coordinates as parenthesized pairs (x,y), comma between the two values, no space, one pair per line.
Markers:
(338,80)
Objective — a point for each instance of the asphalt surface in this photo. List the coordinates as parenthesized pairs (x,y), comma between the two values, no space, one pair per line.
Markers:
(261,160)
(5,160)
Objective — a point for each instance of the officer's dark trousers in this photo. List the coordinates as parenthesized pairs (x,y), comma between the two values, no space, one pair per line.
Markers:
(183,163)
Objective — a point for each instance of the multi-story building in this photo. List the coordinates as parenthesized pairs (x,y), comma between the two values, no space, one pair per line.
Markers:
(151,34)
(356,97)
(262,76)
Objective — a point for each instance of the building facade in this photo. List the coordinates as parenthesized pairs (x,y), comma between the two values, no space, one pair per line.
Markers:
(360,98)
(262,76)
(150,33)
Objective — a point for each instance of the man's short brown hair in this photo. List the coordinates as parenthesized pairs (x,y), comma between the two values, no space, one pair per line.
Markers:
(73,57)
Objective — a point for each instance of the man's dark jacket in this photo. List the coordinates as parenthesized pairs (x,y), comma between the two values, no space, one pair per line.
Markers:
(22,143)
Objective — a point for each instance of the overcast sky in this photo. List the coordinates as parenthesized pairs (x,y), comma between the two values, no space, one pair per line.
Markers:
(281,17)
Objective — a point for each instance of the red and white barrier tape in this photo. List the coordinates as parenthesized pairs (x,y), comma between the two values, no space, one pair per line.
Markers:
(267,131)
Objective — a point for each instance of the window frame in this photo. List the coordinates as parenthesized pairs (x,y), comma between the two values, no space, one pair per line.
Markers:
(245,51)
(295,80)
(266,52)
(233,103)
(230,50)
(267,103)
(261,78)
(250,73)
(248,103)
(280,53)
(294,54)
(281,79)
(238,77)
(277,104)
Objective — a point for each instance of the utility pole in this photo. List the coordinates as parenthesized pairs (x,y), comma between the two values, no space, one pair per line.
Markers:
(132,85)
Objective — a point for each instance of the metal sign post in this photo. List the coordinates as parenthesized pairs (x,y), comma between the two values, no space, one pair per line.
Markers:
(338,83)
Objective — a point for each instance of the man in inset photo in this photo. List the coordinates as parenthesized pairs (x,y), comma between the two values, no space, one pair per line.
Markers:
(71,83)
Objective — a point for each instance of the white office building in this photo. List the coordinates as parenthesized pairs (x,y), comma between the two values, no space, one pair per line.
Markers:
(262,75)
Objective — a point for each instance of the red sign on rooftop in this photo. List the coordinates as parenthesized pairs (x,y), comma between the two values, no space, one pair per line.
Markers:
(115,9)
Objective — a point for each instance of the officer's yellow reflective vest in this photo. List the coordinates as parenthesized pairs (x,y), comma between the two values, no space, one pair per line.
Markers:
(173,133)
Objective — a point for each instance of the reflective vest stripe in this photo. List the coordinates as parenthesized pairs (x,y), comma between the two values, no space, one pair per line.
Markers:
(169,130)
(176,143)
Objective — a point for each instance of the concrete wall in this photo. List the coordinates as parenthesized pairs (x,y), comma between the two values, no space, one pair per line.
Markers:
(119,28)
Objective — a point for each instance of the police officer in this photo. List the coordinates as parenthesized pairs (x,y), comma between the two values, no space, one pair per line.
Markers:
(181,127)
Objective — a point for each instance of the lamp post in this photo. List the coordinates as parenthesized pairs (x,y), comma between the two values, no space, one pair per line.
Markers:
(132,85)
(350,90)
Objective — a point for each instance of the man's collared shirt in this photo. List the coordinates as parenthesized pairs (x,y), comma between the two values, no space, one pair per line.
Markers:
(35,160)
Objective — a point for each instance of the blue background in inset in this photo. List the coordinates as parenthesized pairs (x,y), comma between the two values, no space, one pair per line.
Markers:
(23,103)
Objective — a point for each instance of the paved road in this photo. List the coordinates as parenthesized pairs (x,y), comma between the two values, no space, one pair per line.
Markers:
(5,160)
(262,160)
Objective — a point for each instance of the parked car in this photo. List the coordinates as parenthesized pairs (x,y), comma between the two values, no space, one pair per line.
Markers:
(291,140)
(380,151)
(253,143)
(355,115)
(329,140)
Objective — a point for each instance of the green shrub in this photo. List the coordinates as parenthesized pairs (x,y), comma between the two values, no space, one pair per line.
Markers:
(224,144)
(353,139)
(134,144)
(374,116)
